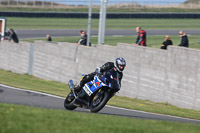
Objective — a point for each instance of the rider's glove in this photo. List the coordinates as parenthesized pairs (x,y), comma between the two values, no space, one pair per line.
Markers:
(98,70)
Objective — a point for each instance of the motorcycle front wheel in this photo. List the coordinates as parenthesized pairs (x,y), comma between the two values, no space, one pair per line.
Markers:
(68,103)
(99,101)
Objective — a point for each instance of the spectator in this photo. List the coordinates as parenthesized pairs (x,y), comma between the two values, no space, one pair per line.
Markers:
(49,38)
(83,40)
(12,36)
(141,39)
(184,39)
(167,42)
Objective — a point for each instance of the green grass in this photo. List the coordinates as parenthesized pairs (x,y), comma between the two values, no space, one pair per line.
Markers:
(76,23)
(152,41)
(23,119)
(29,82)
(148,106)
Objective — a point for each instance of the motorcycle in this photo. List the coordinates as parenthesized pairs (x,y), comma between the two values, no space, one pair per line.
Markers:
(95,94)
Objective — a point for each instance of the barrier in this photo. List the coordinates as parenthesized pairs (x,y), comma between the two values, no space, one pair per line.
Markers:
(96,15)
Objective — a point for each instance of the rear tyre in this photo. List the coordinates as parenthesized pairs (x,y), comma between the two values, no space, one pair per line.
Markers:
(68,103)
(99,101)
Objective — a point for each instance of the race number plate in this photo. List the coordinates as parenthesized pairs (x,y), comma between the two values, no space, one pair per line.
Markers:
(87,90)
(92,86)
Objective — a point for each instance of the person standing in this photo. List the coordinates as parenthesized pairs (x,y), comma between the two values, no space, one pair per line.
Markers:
(0,36)
(141,38)
(184,39)
(167,42)
(48,38)
(83,40)
(13,36)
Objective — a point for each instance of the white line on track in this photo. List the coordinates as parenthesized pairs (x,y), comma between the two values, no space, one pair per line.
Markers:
(106,105)
(31,91)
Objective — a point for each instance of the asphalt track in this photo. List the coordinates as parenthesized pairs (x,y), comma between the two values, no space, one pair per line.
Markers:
(36,99)
(25,34)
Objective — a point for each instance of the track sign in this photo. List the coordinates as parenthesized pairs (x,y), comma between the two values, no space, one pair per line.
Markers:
(2,28)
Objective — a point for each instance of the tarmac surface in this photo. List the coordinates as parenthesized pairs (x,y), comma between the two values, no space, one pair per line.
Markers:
(26,34)
(37,99)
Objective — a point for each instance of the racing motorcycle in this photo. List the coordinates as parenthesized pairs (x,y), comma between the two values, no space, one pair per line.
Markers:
(95,94)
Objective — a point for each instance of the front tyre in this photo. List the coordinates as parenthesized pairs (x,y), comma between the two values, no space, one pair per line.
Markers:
(99,101)
(68,103)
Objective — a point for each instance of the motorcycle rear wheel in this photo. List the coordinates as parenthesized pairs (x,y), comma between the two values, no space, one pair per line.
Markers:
(68,103)
(96,105)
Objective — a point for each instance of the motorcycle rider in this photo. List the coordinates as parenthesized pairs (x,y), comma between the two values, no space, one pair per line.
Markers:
(117,66)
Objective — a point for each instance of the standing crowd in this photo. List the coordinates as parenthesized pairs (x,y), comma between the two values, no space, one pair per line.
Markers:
(141,39)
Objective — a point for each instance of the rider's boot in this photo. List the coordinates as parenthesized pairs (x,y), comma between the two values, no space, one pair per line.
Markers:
(77,88)
(80,86)
(84,79)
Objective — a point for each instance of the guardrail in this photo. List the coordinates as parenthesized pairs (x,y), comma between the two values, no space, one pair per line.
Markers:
(96,15)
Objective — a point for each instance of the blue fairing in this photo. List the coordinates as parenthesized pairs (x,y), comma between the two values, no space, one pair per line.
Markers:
(109,78)
(95,84)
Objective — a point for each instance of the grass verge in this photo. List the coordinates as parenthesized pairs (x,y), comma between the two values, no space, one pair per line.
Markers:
(152,41)
(29,82)
(78,23)
(24,119)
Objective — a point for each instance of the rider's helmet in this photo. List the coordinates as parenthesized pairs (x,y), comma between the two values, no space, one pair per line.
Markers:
(120,64)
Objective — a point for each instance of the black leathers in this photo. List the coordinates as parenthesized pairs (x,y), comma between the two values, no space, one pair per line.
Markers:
(106,66)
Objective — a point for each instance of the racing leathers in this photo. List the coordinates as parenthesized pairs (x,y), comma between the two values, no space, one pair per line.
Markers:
(89,77)
(141,39)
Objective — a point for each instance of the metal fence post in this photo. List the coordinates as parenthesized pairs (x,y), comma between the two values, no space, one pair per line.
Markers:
(42,3)
(34,3)
(102,21)
(52,2)
(8,3)
(31,53)
(89,23)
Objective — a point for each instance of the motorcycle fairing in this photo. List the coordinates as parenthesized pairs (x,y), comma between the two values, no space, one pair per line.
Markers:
(92,86)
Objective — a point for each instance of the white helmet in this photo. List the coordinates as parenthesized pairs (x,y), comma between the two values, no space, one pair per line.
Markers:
(120,61)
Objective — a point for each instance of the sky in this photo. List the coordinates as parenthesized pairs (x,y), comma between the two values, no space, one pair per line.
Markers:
(97,2)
